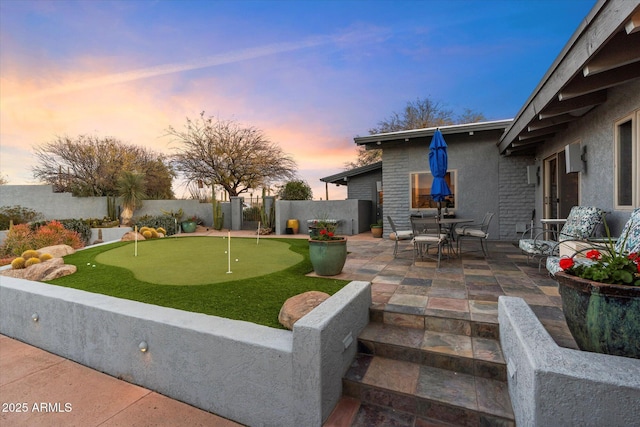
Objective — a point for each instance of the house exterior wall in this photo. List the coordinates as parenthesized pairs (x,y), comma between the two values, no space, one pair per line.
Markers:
(480,186)
(363,187)
(595,131)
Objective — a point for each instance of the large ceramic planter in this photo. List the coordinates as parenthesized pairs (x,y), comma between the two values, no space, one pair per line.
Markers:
(189,226)
(602,318)
(376,231)
(328,256)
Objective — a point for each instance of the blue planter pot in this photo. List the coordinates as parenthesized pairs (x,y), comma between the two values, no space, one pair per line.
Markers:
(328,256)
(189,226)
(602,318)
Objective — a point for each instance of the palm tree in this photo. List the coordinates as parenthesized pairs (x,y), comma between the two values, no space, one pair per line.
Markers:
(131,189)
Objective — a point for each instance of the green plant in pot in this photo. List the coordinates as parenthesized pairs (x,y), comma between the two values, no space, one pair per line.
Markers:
(376,229)
(601,293)
(327,251)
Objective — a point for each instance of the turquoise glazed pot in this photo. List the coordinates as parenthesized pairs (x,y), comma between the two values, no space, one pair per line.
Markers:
(189,226)
(328,256)
(602,318)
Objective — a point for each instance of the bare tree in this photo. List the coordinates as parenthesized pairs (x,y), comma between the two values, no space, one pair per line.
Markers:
(224,153)
(418,114)
(91,166)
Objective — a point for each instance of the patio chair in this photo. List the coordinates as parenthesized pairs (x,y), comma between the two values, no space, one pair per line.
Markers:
(581,224)
(427,232)
(476,231)
(628,242)
(398,235)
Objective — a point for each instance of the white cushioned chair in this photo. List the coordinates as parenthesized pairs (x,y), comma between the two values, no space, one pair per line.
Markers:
(398,235)
(475,231)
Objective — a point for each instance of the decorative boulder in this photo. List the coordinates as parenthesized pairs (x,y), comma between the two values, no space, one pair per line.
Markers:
(47,270)
(130,236)
(299,305)
(57,251)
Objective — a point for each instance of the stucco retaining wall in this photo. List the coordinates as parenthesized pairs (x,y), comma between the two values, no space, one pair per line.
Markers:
(555,386)
(246,372)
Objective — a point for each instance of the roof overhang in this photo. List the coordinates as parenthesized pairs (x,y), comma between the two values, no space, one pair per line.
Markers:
(377,140)
(602,53)
(342,178)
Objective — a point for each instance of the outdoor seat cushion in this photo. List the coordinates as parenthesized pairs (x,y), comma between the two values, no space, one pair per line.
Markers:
(401,235)
(474,232)
(427,238)
(539,247)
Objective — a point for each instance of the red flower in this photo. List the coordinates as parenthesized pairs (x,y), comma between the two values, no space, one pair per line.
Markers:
(594,255)
(566,262)
(635,257)
(323,231)
(330,234)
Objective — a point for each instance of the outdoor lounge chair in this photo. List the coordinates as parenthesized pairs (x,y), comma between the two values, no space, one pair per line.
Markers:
(426,233)
(628,242)
(475,231)
(581,224)
(398,235)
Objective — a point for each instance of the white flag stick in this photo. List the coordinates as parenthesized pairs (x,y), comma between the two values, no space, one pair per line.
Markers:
(258,239)
(229,252)
(135,245)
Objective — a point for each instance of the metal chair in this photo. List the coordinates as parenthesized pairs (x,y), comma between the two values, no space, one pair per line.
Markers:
(398,235)
(476,231)
(427,232)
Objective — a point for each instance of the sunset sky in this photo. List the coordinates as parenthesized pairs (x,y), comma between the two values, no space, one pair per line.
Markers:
(311,74)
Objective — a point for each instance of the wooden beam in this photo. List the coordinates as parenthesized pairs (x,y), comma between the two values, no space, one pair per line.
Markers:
(633,25)
(583,85)
(542,132)
(579,103)
(621,50)
(551,121)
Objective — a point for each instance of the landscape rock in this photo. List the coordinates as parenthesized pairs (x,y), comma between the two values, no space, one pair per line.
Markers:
(299,305)
(57,251)
(130,236)
(48,270)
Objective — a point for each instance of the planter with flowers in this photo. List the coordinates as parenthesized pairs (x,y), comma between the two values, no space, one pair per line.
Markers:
(327,251)
(601,295)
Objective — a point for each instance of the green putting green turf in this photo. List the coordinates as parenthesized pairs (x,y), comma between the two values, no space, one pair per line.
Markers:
(189,261)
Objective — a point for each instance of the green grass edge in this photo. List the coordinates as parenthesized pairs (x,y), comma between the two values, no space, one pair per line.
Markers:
(257,300)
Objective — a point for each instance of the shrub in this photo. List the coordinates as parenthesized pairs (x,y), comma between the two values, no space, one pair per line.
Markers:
(17,214)
(161,221)
(18,263)
(30,253)
(45,257)
(83,228)
(143,229)
(31,261)
(6,260)
(154,233)
(147,234)
(162,231)
(22,237)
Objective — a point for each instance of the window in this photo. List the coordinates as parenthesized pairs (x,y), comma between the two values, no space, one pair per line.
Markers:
(421,190)
(626,162)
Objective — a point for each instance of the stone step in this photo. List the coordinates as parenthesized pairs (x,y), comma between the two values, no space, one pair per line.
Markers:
(417,394)
(455,352)
(481,322)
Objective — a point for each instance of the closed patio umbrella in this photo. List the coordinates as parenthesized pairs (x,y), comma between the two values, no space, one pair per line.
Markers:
(438,165)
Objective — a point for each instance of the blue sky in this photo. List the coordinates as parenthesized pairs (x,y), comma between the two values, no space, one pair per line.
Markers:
(311,74)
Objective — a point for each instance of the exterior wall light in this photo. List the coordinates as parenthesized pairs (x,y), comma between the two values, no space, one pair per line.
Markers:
(143,346)
(35,317)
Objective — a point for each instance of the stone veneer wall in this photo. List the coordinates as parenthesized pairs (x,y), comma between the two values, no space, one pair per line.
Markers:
(242,371)
(517,197)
